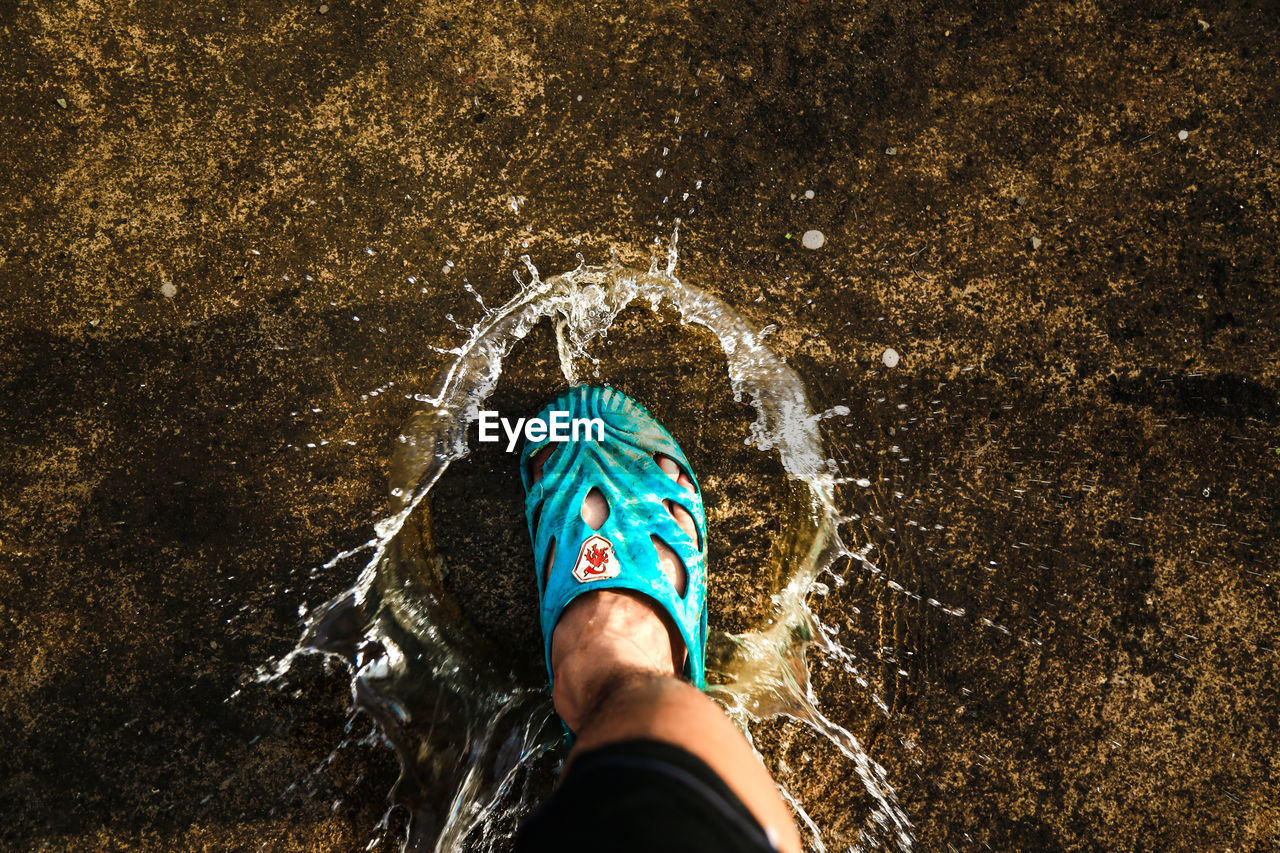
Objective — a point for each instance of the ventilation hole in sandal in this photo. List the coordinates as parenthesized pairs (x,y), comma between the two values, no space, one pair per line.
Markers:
(595,509)
(547,564)
(671,564)
(684,520)
(537,461)
(673,469)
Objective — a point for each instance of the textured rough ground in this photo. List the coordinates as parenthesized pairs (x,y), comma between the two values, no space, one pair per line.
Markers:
(223,227)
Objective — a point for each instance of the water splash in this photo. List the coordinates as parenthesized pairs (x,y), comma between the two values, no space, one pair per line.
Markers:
(476,746)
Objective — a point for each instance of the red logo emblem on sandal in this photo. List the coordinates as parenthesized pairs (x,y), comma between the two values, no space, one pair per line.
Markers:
(596,560)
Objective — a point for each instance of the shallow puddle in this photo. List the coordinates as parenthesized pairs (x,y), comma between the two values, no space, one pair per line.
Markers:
(470,718)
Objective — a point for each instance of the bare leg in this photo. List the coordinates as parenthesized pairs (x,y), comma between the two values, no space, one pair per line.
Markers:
(614,657)
(614,680)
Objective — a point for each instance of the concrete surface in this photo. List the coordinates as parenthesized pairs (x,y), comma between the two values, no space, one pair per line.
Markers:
(223,226)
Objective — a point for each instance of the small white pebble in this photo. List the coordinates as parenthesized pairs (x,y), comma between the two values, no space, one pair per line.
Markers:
(1182,134)
(808,193)
(1035,243)
(62,102)
(891,151)
(813,240)
(168,289)
(890,357)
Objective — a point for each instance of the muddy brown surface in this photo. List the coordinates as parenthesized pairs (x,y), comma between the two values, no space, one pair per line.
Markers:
(224,227)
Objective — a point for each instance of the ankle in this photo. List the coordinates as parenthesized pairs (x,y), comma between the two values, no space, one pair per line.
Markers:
(587,676)
(585,702)
(603,640)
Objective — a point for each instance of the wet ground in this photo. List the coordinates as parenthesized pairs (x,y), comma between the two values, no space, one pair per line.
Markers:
(224,227)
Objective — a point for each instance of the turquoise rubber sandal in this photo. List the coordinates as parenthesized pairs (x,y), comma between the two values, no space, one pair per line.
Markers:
(621,554)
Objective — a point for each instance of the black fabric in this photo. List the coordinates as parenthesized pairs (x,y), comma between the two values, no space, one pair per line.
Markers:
(642,795)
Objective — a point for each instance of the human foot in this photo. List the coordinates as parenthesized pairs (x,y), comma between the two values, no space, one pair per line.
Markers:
(604,633)
(610,600)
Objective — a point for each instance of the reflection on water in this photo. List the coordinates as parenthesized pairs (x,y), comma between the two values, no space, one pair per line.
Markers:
(477,746)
